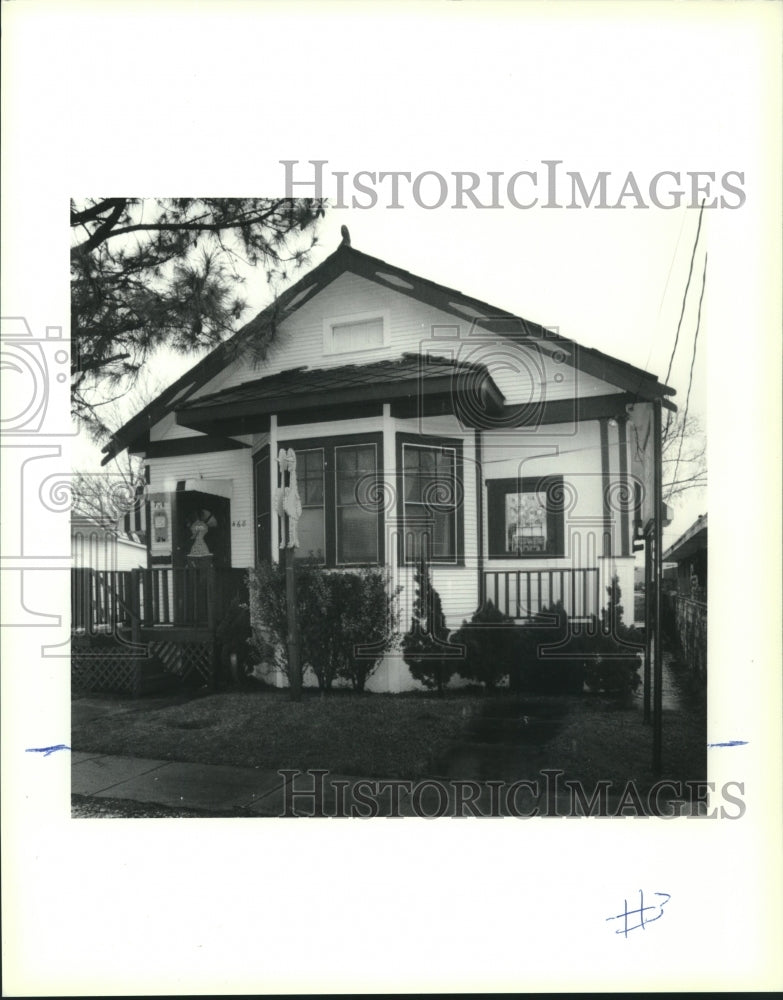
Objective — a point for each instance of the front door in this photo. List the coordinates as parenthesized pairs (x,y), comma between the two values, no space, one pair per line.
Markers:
(203,530)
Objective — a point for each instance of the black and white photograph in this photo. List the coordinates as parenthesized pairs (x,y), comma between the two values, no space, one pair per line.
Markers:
(370,377)
(378,486)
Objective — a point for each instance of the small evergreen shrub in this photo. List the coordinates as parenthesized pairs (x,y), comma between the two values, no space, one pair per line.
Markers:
(614,669)
(556,656)
(550,654)
(490,640)
(232,637)
(425,646)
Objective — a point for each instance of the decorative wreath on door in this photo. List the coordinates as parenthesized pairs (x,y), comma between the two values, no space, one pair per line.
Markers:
(199,527)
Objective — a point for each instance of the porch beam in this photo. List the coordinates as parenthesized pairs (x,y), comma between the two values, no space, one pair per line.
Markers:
(192,446)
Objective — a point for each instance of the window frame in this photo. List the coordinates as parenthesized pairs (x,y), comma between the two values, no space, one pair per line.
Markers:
(433,442)
(497,491)
(331,322)
(322,505)
(329,446)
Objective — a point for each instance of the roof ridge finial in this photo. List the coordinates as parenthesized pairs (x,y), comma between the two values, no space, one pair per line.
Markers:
(346,236)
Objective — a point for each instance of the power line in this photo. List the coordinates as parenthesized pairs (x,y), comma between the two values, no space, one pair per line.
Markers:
(663,296)
(690,377)
(685,295)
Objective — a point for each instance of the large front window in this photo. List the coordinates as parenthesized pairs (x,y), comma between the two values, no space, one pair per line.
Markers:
(342,515)
(356,504)
(430,487)
(310,477)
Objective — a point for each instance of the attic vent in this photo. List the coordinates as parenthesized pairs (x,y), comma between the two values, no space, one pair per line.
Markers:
(468,311)
(300,295)
(392,279)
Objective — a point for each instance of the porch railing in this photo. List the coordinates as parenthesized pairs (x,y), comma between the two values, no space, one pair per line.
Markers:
(103,600)
(522,593)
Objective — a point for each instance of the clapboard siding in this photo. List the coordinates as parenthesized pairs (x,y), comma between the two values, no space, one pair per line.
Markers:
(577,458)
(234,465)
(413,326)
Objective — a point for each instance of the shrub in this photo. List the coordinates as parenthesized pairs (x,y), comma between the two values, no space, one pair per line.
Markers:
(425,646)
(550,653)
(346,621)
(490,642)
(614,669)
(556,656)
(232,637)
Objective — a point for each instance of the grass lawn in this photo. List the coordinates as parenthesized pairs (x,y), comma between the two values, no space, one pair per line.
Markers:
(462,735)
(373,735)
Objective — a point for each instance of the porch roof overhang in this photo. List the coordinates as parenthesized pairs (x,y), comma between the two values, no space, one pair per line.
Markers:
(246,408)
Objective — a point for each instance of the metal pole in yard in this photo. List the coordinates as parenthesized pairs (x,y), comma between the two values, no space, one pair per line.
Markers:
(289,495)
(294,666)
(649,597)
(657,569)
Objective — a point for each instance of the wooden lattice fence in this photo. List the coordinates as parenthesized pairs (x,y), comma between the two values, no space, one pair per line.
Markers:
(105,668)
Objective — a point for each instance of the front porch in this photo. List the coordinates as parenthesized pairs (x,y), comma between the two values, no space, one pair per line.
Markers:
(139,630)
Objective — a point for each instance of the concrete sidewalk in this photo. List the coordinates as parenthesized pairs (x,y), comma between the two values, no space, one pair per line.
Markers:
(220,790)
(209,787)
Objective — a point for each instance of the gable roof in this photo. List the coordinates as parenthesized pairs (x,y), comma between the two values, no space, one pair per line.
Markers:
(448,300)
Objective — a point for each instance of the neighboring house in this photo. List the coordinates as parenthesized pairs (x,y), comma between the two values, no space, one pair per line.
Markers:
(420,417)
(688,594)
(689,554)
(669,578)
(105,547)
(101,554)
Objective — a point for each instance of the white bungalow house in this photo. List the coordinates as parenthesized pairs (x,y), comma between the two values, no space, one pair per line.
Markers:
(414,410)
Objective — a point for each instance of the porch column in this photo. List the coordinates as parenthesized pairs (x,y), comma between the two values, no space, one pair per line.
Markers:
(273,469)
(393,662)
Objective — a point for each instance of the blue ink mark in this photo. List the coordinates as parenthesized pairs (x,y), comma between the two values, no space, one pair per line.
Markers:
(47,750)
(729,743)
(643,920)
